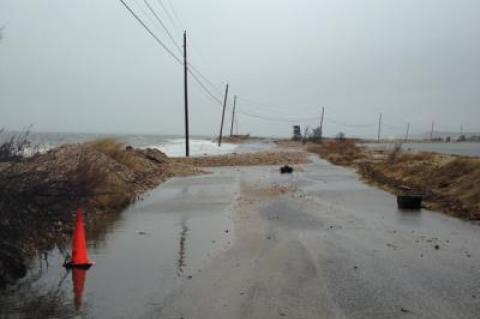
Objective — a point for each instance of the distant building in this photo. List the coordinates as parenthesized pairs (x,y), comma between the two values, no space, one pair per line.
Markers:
(297,133)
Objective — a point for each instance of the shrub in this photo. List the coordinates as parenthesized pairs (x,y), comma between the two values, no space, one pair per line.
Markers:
(397,149)
(13,147)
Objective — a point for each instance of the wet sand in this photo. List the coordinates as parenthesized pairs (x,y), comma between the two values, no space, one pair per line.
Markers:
(247,242)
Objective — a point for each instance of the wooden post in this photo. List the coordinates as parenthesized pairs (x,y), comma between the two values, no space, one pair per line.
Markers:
(431,132)
(223,116)
(321,123)
(379,127)
(185,86)
(233,114)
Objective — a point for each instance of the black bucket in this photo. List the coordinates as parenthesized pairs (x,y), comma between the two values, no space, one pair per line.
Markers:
(286,169)
(413,202)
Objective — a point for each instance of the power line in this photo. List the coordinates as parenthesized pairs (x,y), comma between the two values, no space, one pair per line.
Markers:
(212,85)
(151,32)
(169,16)
(197,52)
(202,85)
(212,97)
(163,25)
(278,119)
(191,66)
(253,102)
(170,4)
(194,76)
(144,12)
(258,116)
(344,124)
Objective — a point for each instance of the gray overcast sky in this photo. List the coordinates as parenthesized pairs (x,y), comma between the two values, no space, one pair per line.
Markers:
(88,66)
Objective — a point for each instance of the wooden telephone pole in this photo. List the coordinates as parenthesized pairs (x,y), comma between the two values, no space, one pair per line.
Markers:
(233,114)
(321,123)
(408,131)
(185,86)
(223,116)
(431,132)
(379,127)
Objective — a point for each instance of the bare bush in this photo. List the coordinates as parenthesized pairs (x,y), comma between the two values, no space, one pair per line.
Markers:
(397,150)
(339,152)
(13,147)
(39,194)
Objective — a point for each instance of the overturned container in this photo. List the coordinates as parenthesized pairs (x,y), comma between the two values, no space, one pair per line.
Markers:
(286,169)
(409,199)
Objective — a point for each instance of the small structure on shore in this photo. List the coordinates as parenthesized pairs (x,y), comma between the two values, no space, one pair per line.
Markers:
(297,133)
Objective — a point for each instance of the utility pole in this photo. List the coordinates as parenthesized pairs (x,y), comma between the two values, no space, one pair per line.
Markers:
(236,125)
(233,114)
(379,126)
(461,129)
(431,132)
(223,115)
(408,130)
(185,86)
(321,123)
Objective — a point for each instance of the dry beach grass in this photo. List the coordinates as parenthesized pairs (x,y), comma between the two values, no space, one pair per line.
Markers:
(449,183)
(247,159)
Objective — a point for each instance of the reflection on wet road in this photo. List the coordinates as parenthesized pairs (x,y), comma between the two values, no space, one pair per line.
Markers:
(79,277)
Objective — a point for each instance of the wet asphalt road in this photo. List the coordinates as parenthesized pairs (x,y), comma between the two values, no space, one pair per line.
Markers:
(251,243)
(321,244)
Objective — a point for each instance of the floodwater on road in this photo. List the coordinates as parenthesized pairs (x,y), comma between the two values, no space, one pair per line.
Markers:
(464,148)
(141,255)
(251,243)
(325,245)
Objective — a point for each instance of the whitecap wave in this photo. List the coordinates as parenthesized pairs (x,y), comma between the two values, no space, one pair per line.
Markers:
(176,147)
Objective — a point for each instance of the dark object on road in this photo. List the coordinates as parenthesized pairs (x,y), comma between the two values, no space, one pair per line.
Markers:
(408,198)
(286,169)
(413,202)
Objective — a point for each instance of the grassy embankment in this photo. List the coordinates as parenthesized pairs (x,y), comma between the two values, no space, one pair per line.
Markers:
(449,183)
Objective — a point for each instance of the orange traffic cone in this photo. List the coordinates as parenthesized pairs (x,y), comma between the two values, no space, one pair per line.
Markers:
(79,245)
(78,278)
